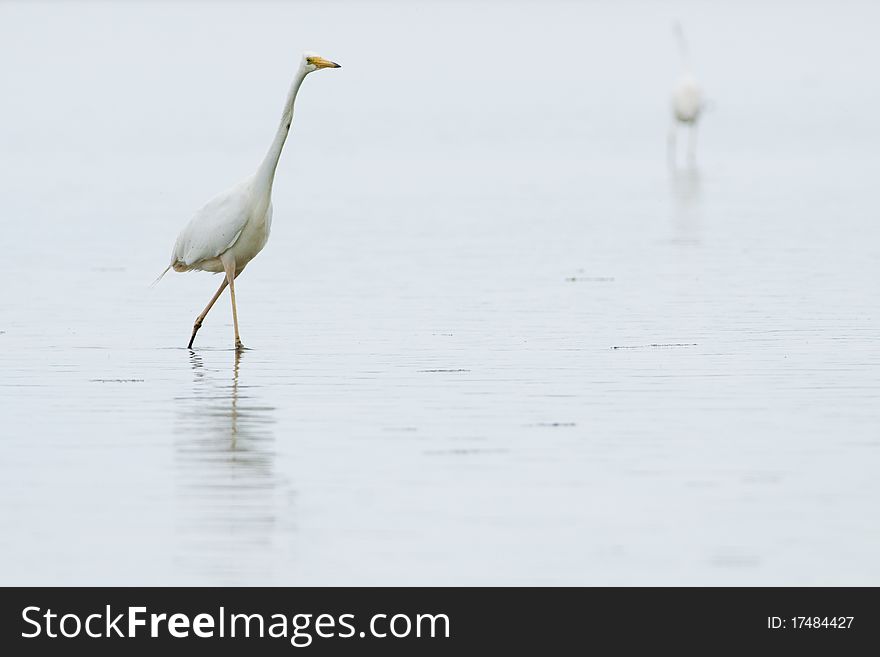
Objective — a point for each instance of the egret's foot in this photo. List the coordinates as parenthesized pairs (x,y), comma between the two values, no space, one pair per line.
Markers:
(192,338)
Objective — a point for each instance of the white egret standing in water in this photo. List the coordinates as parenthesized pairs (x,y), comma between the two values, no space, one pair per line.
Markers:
(233,227)
(687,104)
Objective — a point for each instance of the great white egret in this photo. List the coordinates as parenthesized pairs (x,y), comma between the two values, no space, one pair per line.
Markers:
(233,227)
(687,104)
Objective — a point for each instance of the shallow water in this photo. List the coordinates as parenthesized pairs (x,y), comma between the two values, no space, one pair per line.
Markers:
(493,340)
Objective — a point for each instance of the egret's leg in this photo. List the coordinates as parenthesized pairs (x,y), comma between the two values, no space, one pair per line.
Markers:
(201,318)
(670,146)
(229,266)
(692,145)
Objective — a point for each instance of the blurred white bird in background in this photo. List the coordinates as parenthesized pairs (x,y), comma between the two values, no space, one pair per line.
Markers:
(687,104)
(233,227)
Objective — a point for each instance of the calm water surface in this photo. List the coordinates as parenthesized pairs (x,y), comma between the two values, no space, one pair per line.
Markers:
(493,340)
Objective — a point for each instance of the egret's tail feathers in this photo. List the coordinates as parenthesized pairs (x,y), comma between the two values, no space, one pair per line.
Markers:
(160,276)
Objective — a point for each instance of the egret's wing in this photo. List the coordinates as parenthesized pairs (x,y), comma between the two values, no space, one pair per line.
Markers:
(687,99)
(216,227)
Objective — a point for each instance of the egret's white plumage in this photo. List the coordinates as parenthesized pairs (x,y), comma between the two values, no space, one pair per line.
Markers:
(233,227)
(218,226)
(687,99)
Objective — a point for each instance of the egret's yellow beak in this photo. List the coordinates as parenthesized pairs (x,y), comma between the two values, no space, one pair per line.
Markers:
(320,62)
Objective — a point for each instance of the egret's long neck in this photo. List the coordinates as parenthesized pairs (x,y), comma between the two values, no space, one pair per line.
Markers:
(683,48)
(266,172)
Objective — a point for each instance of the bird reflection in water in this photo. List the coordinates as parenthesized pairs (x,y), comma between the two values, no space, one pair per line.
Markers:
(228,490)
(686,204)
